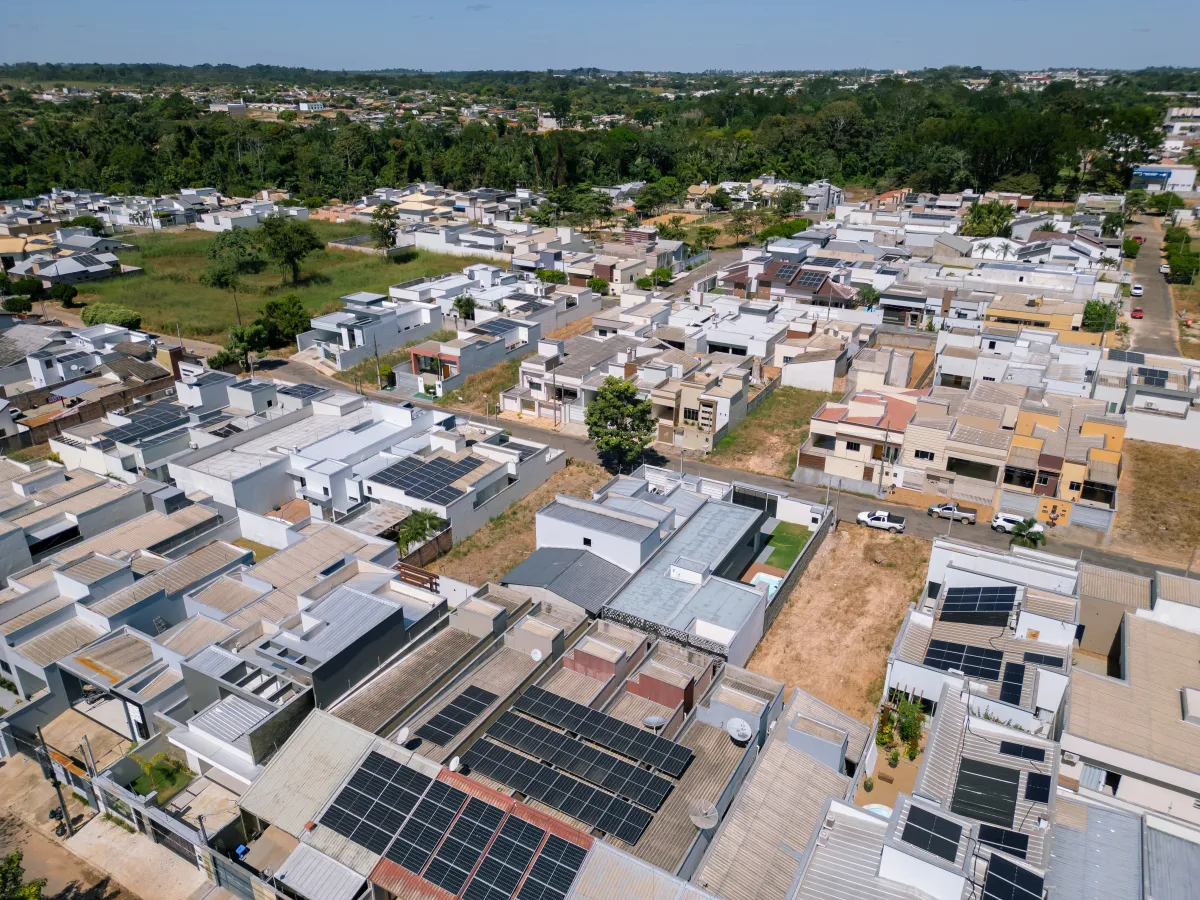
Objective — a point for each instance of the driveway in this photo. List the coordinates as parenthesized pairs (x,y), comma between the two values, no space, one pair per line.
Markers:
(1157,332)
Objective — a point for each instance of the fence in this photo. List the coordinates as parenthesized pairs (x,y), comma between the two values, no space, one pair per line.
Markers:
(798,568)
(436,546)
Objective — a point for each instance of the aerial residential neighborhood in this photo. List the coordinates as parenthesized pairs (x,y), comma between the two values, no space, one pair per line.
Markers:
(422,479)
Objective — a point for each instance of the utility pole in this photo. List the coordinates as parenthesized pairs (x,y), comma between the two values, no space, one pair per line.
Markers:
(378,377)
(62,803)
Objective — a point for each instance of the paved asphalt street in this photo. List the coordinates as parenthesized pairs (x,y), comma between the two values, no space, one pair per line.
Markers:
(848,505)
(1157,332)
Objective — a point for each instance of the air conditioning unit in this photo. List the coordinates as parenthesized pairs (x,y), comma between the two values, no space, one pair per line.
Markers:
(1070,758)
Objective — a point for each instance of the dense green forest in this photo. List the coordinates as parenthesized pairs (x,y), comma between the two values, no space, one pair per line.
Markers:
(931,134)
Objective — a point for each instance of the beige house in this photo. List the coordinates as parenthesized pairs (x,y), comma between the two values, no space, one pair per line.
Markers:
(694,411)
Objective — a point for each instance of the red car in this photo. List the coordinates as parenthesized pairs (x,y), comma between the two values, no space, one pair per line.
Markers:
(1135,313)
(1139,239)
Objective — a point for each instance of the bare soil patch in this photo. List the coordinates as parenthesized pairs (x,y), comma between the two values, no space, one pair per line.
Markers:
(834,632)
(576,328)
(766,441)
(504,542)
(1157,501)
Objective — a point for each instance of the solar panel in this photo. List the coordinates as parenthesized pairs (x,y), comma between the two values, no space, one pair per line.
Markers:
(496,327)
(455,716)
(811,280)
(427,478)
(787,272)
(578,800)
(1011,748)
(460,852)
(1042,660)
(506,861)
(303,391)
(986,792)
(1007,881)
(1002,839)
(979,662)
(1128,356)
(1010,687)
(424,829)
(1153,377)
(602,729)
(931,833)
(1037,787)
(553,871)
(989,605)
(616,775)
(825,261)
(374,803)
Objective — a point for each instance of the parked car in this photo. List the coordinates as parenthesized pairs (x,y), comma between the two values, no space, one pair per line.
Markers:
(1136,313)
(1139,239)
(1136,291)
(953,511)
(1006,522)
(880,519)
(1164,269)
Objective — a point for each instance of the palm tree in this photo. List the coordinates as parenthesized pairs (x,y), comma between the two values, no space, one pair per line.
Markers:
(1025,535)
(420,525)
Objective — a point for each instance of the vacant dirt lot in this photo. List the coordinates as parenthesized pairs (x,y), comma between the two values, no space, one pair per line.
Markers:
(1157,501)
(766,441)
(834,632)
(578,327)
(67,876)
(504,542)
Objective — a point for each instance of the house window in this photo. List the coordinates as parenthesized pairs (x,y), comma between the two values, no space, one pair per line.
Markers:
(691,415)
(853,446)
(924,455)
(1075,486)
(587,542)
(988,378)
(303,483)
(369,490)
(325,491)
(1043,479)
(49,363)
(270,403)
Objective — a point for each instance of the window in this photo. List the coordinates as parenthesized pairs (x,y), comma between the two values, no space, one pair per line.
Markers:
(824,442)
(1043,479)
(924,455)
(303,483)
(270,403)
(691,415)
(988,378)
(49,363)
(370,490)
(853,446)
(535,385)
(587,542)
(1075,486)
(325,491)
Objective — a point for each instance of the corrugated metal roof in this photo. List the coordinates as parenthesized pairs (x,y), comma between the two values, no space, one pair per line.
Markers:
(227,595)
(1178,589)
(612,874)
(167,679)
(214,661)
(173,579)
(273,607)
(578,576)
(143,533)
(1118,587)
(59,641)
(295,568)
(1172,866)
(599,519)
(857,733)
(194,634)
(229,719)
(91,569)
(36,614)
(116,657)
(311,873)
(1095,853)
(320,755)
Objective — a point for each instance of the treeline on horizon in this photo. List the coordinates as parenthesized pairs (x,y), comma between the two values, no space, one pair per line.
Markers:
(930,134)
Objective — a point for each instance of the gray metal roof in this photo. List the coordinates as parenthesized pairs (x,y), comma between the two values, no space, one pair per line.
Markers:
(1096,854)
(214,661)
(1172,866)
(575,575)
(595,517)
(229,719)
(348,615)
(311,873)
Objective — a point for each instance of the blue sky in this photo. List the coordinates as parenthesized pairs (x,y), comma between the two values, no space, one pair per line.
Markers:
(612,34)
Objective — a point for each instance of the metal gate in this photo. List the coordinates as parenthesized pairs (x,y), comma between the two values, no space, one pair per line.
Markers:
(1093,517)
(179,846)
(1019,504)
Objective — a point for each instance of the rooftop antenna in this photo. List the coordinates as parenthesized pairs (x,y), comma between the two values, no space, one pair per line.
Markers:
(703,814)
(454,764)
(740,731)
(536,655)
(402,736)
(655,722)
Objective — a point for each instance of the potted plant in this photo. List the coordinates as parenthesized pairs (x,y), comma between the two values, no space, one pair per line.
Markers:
(894,759)
(868,784)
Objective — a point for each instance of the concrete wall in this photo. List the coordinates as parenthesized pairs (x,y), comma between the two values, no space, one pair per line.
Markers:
(1158,429)
(814,376)
(268,530)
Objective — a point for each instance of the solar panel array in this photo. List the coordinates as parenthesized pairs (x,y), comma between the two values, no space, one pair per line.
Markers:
(373,804)
(811,280)
(1007,881)
(1127,356)
(456,715)
(787,272)
(979,605)
(1002,839)
(421,833)
(979,662)
(146,422)
(602,729)
(506,861)
(1010,687)
(622,778)
(428,478)
(986,792)
(580,801)
(463,847)
(303,391)
(826,261)
(496,327)
(553,871)
(1037,787)
(1042,660)
(1153,377)
(932,833)
(1011,748)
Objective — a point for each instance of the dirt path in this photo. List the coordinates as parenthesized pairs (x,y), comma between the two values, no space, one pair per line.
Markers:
(835,630)
(67,876)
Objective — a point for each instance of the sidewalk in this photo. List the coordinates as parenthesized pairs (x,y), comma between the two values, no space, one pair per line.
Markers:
(135,861)
(569,429)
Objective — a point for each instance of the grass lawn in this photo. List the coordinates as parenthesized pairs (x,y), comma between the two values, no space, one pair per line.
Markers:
(787,542)
(766,441)
(497,548)
(260,551)
(484,386)
(1157,501)
(170,292)
(1187,307)
(166,782)
(29,454)
(364,372)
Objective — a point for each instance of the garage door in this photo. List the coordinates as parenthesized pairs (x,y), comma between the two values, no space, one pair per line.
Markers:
(173,842)
(1095,518)
(1019,504)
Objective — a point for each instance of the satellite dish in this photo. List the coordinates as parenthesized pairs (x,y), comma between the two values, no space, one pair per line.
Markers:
(739,730)
(535,654)
(402,735)
(454,764)
(703,814)
(654,722)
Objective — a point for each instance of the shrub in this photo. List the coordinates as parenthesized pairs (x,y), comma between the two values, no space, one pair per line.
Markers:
(911,718)
(868,784)
(17,304)
(552,276)
(894,758)
(1131,248)
(645,284)
(599,285)
(111,314)
(29,287)
(913,749)
(64,294)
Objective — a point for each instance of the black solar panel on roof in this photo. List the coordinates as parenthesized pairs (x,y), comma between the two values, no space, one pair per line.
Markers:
(553,871)
(372,806)
(603,729)
(622,778)
(978,662)
(1010,687)
(1037,787)
(1128,356)
(303,391)
(824,261)
(506,861)
(456,715)
(931,833)
(427,478)
(578,800)
(463,847)
(419,837)
(1021,751)
(496,327)
(986,792)
(811,280)
(979,605)
(1002,839)
(787,272)
(1042,659)
(1007,881)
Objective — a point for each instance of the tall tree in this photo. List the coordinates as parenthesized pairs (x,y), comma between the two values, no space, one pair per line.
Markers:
(13,885)
(286,241)
(385,225)
(620,424)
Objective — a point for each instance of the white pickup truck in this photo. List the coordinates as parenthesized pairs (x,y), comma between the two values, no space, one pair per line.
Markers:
(880,519)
